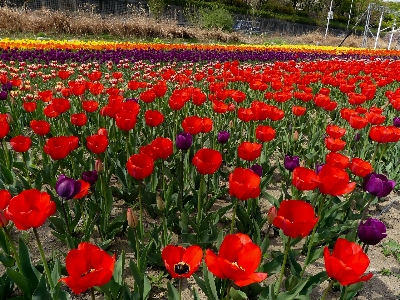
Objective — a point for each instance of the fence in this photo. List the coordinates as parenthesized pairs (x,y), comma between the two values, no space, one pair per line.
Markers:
(171,12)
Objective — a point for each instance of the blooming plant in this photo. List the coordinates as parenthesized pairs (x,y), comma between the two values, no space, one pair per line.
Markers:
(174,150)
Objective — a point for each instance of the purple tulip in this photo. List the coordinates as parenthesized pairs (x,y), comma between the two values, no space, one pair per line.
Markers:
(372,231)
(257,169)
(291,162)
(132,99)
(378,185)
(90,177)
(396,121)
(3,95)
(318,167)
(223,137)
(67,188)
(184,140)
(357,137)
(7,86)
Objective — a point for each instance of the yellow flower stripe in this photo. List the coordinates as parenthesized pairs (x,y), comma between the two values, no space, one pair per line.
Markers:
(106,45)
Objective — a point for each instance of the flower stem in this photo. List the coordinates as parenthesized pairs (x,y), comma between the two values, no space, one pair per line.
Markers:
(45,265)
(14,251)
(180,288)
(141,230)
(180,198)
(343,294)
(200,201)
(327,289)
(234,214)
(70,243)
(228,291)
(278,287)
(310,242)
(92,293)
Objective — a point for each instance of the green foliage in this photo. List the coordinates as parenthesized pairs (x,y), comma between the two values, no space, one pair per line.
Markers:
(156,8)
(217,18)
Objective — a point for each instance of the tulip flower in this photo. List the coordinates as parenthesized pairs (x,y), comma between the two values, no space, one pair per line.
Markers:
(237,260)
(4,129)
(88,266)
(97,143)
(162,147)
(90,176)
(20,143)
(378,185)
(184,140)
(140,166)
(30,209)
(360,167)
(5,197)
(207,161)
(337,160)
(223,137)
(265,133)
(291,162)
(296,218)
(132,219)
(305,179)
(257,169)
(372,231)
(396,121)
(347,263)
(244,184)
(40,127)
(180,261)
(334,181)
(67,188)
(249,151)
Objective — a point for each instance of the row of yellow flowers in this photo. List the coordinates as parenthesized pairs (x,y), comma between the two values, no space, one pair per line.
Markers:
(107,45)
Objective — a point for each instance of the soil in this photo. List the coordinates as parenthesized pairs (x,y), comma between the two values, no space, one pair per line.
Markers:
(385,284)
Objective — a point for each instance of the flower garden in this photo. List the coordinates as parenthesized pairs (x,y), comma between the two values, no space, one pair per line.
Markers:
(175,150)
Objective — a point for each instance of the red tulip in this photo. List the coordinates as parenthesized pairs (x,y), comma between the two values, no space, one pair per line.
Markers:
(334,144)
(148,96)
(305,179)
(162,147)
(347,263)
(193,125)
(4,129)
(358,122)
(59,147)
(237,260)
(79,119)
(249,151)
(20,143)
(207,161)
(360,167)
(334,181)
(335,132)
(50,112)
(90,106)
(140,166)
(180,261)
(60,105)
(374,118)
(5,198)
(244,184)
(84,189)
(382,134)
(153,118)
(296,218)
(97,143)
(337,160)
(40,127)
(298,110)
(30,208)
(88,266)
(29,106)
(125,120)
(265,133)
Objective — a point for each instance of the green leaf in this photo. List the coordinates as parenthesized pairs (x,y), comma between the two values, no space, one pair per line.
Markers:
(27,269)
(21,281)
(200,282)
(173,293)
(295,267)
(58,224)
(273,266)
(8,175)
(126,293)
(237,295)
(42,292)
(210,283)
(146,287)
(119,269)
(315,255)
(7,260)
(290,295)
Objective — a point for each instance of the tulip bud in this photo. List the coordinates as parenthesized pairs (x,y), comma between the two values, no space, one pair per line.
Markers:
(295,135)
(132,218)
(160,203)
(231,124)
(10,119)
(98,166)
(102,131)
(272,212)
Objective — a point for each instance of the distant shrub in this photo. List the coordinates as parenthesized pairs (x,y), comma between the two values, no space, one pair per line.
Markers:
(217,18)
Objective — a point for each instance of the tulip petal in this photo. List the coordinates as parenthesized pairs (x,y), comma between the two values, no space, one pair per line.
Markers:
(213,265)
(252,278)
(230,247)
(249,257)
